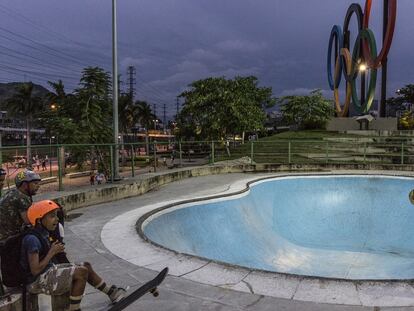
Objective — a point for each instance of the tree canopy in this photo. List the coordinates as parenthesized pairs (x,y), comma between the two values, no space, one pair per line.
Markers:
(84,116)
(217,107)
(307,112)
(405,97)
(25,103)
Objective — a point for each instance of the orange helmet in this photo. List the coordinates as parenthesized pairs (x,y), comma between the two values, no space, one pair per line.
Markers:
(39,209)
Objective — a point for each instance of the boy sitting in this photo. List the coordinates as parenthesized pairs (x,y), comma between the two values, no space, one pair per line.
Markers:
(43,275)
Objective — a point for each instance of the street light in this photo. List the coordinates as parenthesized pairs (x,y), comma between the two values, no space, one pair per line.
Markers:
(155,123)
(115,168)
(363,67)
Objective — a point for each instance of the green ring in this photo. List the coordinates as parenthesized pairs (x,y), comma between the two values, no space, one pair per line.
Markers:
(364,34)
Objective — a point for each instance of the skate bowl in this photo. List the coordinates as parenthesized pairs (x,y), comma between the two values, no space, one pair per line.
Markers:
(354,227)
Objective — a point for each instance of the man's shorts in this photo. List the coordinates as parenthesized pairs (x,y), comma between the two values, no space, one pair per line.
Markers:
(57,280)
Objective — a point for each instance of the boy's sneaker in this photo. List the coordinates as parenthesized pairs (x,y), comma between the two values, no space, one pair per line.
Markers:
(117,293)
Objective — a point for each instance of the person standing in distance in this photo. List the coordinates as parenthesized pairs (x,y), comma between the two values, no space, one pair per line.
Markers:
(3,175)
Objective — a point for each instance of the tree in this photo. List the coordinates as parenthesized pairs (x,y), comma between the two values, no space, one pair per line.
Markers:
(216,107)
(146,119)
(94,107)
(24,103)
(57,118)
(405,98)
(84,117)
(128,113)
(307,112)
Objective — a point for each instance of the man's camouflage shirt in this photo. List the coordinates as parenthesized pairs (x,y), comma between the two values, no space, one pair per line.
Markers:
(12,204)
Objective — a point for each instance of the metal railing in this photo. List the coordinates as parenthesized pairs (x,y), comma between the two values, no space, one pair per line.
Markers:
(64,162)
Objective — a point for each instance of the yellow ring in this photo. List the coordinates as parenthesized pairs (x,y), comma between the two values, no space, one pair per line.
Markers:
(343,111)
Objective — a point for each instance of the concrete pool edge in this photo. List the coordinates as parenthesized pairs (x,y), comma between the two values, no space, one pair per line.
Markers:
(139,252)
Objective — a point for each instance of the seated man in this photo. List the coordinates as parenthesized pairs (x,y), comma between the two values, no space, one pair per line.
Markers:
(43,275)
(14,204)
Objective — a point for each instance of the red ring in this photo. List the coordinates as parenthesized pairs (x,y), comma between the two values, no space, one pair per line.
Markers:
(392,10)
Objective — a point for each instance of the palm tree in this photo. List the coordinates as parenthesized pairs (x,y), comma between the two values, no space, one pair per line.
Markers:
(24,103)
(146,118)
(128,113)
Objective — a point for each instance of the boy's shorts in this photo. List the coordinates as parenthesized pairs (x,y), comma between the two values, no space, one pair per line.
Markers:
(57,280)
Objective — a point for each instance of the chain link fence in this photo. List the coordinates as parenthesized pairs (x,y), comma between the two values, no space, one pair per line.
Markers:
(63,167)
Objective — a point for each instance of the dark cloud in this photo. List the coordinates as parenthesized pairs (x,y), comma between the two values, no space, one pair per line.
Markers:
(172,43)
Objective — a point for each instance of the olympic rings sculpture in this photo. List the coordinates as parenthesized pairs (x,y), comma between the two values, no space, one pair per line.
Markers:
(364,51)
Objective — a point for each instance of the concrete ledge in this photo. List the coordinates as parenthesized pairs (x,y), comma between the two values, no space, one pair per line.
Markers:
(136,187)
(78,174)
(48,180)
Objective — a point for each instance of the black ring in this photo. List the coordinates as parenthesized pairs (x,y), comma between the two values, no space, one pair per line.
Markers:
(356,9)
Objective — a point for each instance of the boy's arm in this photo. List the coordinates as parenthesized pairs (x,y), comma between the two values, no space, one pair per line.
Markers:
(36,266)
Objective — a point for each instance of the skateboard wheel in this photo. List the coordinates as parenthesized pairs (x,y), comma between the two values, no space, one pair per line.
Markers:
(154,292)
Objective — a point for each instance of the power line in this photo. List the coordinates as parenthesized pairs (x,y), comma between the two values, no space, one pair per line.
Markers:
(67,56)
(36,58)
(5,68)
(29,21)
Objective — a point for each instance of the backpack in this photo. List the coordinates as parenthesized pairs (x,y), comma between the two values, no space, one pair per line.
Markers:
(12,272)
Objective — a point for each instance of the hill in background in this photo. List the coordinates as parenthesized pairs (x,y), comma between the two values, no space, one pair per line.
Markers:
(7,90)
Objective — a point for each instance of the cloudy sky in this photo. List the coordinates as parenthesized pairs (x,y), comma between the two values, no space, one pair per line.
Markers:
(174,42)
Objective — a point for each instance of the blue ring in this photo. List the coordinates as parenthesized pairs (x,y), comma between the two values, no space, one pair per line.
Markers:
(339,36)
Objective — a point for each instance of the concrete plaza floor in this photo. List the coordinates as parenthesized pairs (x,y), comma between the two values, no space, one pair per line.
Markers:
(83,240)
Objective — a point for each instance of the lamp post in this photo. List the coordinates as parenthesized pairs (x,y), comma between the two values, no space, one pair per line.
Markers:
(115,167)
(362,69)
(155,124)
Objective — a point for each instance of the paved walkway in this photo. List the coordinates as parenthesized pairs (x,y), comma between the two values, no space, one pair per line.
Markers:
(83,239)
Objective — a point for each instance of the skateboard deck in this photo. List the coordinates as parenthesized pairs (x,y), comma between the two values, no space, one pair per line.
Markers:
(150,287)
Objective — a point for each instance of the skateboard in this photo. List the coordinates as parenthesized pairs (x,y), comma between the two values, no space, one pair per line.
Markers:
(150,287)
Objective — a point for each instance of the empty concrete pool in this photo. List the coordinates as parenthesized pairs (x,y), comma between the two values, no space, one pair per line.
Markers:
(346,227)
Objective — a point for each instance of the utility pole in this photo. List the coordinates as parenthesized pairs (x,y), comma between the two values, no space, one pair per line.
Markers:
(154,107)
(178,107)
(164,121)
(115,168)
(131,82)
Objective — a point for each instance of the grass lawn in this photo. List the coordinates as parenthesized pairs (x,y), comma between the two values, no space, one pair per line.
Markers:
(303,146)
(306,135)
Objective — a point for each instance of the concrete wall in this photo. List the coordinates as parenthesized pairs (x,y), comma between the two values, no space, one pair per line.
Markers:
(347,124)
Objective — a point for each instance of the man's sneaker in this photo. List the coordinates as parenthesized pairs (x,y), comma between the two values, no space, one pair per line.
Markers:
(116,294)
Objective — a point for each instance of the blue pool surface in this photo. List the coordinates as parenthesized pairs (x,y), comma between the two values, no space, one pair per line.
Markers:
(348,227)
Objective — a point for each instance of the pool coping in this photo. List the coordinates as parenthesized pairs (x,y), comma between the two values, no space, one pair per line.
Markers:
(139,250)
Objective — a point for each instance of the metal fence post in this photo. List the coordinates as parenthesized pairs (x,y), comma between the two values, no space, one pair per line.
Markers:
(212,152)
(365,152)
(289,153)
(252,151)
(132,161)
(59,163)
(181,153)
(327,153)
(111,152)
(402,153)
(155,156)
(50,161)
